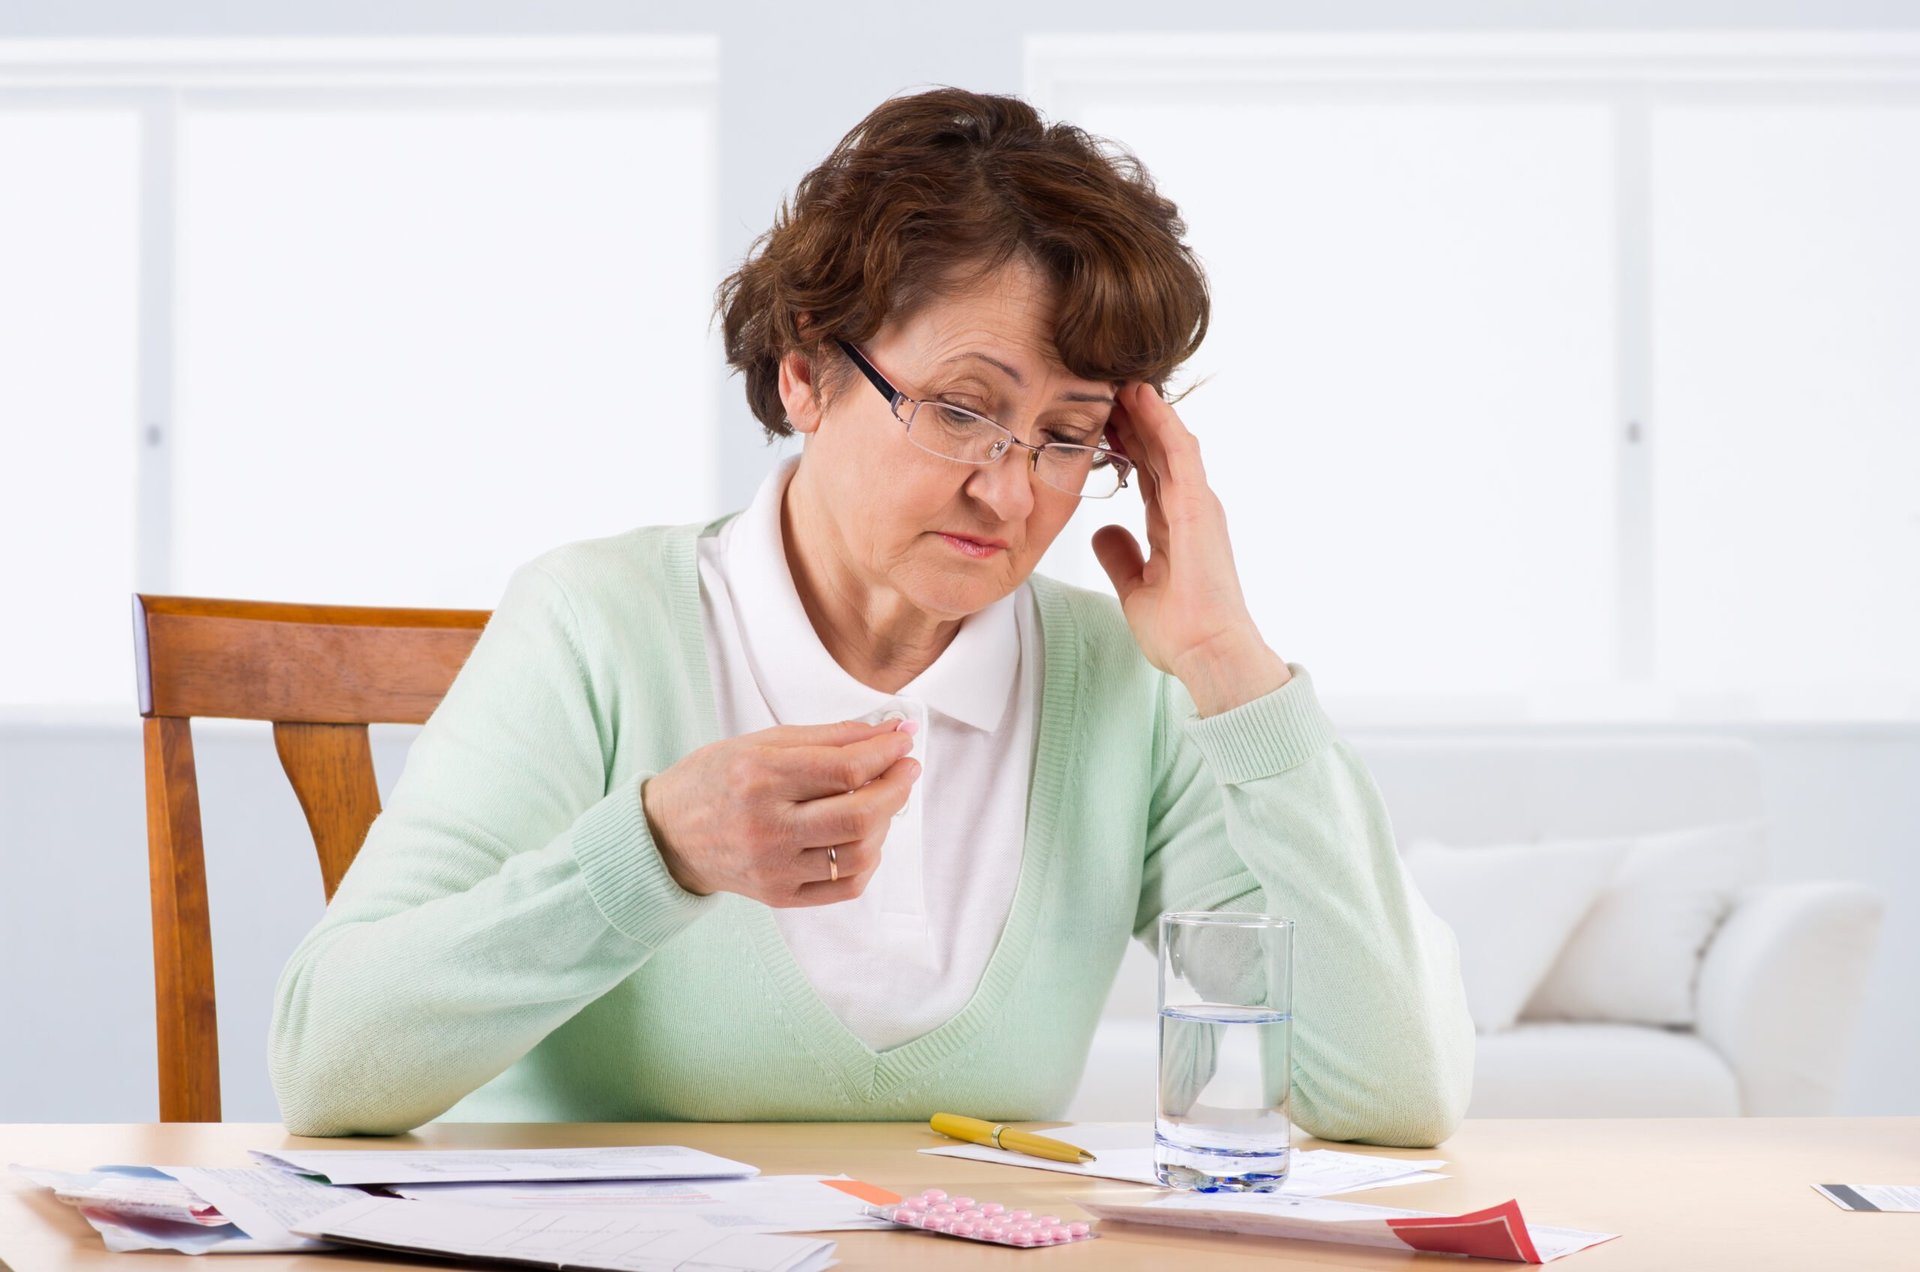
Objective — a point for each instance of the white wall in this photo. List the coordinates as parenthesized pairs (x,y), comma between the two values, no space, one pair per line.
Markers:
(76,1013)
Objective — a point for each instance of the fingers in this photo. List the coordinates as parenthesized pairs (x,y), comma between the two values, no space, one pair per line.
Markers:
(808,772)
(854,865)
(839,733)
(1170,448)
(826,892)
(1167,455)
(1131,439)
(851,816)
(1119,555)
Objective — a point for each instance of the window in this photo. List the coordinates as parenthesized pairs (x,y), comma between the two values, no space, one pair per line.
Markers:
(411,313)
(69,307)
(1578,359)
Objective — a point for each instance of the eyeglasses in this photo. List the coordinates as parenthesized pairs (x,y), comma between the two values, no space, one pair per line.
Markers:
(954,432)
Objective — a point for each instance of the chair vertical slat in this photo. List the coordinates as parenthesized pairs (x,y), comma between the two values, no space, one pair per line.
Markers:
(331,768)
(189,1034)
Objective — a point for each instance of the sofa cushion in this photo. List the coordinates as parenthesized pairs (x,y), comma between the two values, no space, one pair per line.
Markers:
(1511,908)
(1553,1069)
(1635,957)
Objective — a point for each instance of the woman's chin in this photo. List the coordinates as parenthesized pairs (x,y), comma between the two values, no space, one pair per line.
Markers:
(960,594)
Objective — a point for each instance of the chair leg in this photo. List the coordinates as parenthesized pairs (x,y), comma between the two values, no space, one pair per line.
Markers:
(186,1024)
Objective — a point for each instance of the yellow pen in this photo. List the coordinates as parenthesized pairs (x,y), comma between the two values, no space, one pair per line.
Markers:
(1000,1135)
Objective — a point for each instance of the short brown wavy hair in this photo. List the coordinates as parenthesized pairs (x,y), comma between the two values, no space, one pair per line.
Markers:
(932,185)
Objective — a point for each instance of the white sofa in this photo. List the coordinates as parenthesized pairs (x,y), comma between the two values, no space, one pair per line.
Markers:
(1778,987)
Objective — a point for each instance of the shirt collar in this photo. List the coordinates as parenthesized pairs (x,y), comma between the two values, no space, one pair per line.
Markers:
(971,681)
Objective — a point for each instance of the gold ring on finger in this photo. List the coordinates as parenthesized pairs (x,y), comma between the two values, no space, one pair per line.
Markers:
(833,865)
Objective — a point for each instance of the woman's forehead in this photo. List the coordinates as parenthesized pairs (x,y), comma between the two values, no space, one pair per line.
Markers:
(1001,329)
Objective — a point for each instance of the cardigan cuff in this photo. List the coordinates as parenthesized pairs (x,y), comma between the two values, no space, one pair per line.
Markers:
(1268,735)
(624,873)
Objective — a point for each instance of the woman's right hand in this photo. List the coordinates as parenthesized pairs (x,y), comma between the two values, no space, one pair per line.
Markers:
(756,814)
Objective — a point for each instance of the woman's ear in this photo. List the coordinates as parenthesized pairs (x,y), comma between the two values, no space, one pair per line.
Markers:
(798,392)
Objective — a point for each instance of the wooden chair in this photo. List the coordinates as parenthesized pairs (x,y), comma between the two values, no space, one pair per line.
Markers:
(321,674)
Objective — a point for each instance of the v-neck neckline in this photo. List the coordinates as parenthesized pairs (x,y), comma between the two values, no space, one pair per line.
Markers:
(865,1073)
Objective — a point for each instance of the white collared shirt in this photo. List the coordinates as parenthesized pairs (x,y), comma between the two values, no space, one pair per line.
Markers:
(907,954)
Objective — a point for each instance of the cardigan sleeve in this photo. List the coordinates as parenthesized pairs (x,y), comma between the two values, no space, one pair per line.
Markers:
(507,885)
(1265,808)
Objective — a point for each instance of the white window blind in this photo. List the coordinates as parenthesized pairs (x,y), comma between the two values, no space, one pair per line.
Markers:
(1787,508)
(1404,398)
(1551,377)
(69,296)
(420,346)
(354,321)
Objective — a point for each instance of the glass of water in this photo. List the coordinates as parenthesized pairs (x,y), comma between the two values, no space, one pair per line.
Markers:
(1226,1051)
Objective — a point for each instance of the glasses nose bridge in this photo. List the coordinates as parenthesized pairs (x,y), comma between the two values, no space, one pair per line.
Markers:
(1008,441)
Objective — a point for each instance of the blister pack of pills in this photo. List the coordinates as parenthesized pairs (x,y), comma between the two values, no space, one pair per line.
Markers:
(988,1221)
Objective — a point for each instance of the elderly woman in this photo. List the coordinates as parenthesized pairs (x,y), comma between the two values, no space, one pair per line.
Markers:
(835,810)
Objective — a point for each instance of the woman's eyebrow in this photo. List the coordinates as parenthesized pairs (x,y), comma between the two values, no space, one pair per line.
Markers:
(1020,380)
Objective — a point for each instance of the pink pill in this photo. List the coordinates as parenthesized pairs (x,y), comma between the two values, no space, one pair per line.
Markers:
(1017,1215)
(962,1202)
(994,1232)
(962,1229)
(993,1208)
(932,1195)
(1079,1229)
(1023,1239)
(1051,1221)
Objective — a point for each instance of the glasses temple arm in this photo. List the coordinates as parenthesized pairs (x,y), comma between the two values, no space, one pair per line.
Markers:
(894,396)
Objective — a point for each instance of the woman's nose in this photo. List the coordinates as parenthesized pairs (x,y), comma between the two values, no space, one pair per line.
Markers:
(1005,485)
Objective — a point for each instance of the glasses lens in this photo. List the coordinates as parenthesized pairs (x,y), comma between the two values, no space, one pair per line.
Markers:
(1086,471)
(956,433)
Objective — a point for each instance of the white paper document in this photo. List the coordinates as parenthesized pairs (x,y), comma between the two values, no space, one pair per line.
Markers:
(1872,1196)
(265,1203)
(515,1165)
(563,1238)
(1498,1232)
(769,1203)
(193,1210)
(1125,1152)
(137,1191)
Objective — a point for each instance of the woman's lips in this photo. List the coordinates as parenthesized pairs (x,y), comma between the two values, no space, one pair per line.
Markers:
(975,548)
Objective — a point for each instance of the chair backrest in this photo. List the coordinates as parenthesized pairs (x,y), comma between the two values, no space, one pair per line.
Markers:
(321,674)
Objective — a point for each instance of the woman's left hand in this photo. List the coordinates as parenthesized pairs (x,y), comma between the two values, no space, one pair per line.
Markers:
(1183,602)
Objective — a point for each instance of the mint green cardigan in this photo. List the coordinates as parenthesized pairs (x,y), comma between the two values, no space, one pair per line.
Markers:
(508,946)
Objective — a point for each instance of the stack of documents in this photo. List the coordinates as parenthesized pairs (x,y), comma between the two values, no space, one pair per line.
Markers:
(1498,1232)
(676,1206)
(193,1209)
(496,1165)
(562,1238)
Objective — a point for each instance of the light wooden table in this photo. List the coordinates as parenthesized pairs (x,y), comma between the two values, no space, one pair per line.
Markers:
(1683,1193)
